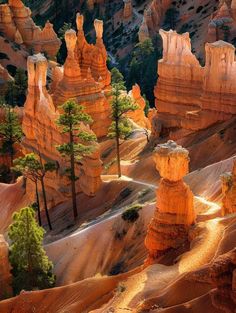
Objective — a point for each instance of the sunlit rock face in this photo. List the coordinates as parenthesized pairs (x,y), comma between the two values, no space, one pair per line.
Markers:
(85,77)
(229,192)
(174,208)
(42,136)
(189,96)
(17,25)
(5,276)
(138,116)
(221,274)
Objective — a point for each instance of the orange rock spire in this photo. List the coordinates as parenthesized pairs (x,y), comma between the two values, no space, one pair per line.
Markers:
(174,208)
(85,76)
(229,192)
(17,25)
(138,116)
(5,276)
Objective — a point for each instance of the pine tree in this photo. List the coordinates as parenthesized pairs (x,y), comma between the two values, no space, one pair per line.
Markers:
(70,123)
(31,267)
(120,127)
(10,132)
(32,167)
(116,76)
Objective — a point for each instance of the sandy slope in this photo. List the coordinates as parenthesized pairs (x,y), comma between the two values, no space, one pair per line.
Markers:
(12,198)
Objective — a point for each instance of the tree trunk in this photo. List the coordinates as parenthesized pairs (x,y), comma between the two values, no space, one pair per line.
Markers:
(38,205)
(73,187)
(45,203)
(118,149)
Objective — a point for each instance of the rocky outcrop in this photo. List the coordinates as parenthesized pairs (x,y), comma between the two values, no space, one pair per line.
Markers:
(42,135)
(128,9)
(229,192)
(17,25)
(174,208)
(143,33)
(85,77)
(138,116)
(153,17)
(189,96)
(221,274)
(5,275)
(223,22)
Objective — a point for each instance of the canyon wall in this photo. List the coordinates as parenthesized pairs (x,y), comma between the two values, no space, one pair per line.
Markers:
(189,96)
(174,207)
(17,25)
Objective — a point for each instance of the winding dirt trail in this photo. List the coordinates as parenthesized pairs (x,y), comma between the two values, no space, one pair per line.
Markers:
(157,277)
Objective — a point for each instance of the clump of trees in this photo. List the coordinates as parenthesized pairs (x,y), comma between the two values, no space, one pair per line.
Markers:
(31,268)
(79,143)
(120,105)
(143,66)
(16,89)
(10,132)
(32,167)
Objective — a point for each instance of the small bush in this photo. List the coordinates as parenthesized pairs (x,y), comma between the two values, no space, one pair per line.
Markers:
(131,214)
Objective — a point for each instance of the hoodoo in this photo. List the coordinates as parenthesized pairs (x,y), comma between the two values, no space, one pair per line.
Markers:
(85,76)
(174,207)
(17,25)
(42,135)
(229,191)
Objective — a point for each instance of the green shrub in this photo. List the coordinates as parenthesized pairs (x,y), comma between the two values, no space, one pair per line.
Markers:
(131,214)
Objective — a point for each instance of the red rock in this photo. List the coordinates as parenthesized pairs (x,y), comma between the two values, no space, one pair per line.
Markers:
(174,208)
(85,77)
(138,116)
(42,135)
(128,9)
(189,96)
(5,276)
(17,25)
(229,192)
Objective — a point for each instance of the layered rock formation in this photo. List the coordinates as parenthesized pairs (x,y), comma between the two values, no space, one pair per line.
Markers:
(138,116)
(221,274)
(229,192)
(189,96)
(17,25)
(5,276)
(85,76)
(174,208)
(42,135)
